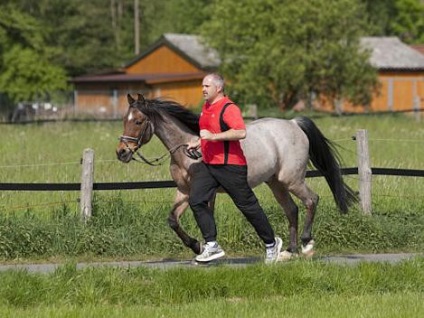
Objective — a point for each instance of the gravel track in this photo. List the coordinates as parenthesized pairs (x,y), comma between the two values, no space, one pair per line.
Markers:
(166,264)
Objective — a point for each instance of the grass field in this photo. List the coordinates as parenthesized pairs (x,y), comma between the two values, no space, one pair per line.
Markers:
(45,226)
(51,152)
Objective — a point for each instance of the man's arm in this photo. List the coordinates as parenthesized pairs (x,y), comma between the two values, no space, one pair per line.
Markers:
(231,134)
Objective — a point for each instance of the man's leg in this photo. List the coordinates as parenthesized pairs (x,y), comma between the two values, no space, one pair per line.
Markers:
(233,179)
(203,187)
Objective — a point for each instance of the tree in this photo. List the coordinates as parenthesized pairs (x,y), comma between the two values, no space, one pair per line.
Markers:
(89,35)
(282,51)
(408,22)
(378,14)
(26,71)
(182,16)
(402,18)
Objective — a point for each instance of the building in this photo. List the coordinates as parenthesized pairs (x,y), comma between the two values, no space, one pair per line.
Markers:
(401,74)
(174,66)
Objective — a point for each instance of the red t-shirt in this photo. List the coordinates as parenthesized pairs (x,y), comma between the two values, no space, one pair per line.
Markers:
(214,151)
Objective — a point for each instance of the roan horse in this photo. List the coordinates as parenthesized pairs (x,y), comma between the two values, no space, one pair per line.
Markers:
(277,151)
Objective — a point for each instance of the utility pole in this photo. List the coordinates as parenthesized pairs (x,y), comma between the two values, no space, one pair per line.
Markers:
(136,28)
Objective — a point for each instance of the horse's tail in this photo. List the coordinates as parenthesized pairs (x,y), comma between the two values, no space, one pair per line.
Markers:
(325,157)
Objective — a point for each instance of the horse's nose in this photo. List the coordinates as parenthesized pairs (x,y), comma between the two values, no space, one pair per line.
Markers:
(123,154)
(119,152)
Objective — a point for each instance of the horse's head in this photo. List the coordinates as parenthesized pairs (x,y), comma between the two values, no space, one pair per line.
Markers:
(138,129)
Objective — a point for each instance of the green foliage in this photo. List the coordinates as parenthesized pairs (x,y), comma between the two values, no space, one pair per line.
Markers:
(28,76)
(408,21)
(275,52)
(379,14)
(402,18)
(177,16)
(291,50)
(26,71)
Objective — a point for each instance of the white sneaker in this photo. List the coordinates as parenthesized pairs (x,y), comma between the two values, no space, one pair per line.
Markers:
(210,253)
(272,253)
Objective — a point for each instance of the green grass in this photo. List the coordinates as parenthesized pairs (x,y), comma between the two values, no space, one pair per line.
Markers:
(40,226)
(294,289)
(390,305)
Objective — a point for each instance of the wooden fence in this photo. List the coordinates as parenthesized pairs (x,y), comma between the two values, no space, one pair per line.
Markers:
(87,185)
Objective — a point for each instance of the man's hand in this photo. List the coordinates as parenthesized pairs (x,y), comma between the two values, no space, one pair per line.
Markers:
(193,144)
(192,149)
(207,135)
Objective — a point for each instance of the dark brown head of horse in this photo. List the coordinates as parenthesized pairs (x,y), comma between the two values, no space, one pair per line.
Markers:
(138,129)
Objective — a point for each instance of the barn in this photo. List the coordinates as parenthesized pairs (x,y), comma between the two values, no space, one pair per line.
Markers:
(401,75)
(174,66)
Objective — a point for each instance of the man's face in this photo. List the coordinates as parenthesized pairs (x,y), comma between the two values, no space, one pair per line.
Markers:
(209,89)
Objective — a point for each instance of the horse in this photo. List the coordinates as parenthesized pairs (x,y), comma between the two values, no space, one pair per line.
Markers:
(278,152)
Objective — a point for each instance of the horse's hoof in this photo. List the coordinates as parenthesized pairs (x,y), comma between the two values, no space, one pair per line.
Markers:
(198,248)
(308,250)
(286,256)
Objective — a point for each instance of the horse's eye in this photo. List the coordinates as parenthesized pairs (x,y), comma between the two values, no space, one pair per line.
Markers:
(137,122)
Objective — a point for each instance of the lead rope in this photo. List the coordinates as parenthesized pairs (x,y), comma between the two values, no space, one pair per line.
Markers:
(159,160)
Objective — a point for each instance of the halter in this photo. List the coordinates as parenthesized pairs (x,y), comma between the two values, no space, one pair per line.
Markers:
(139,142)
(193,154)
(126,139)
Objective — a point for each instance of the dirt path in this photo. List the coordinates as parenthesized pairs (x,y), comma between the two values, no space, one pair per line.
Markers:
(166,264)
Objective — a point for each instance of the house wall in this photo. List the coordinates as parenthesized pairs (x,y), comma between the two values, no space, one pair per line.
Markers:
(399,91)
(105,100)
(110,99)
(187,93)
(162,61)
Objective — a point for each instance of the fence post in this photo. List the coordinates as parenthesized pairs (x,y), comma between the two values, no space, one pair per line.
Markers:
(417,109)
(252,111)
(364,171)
(87,178)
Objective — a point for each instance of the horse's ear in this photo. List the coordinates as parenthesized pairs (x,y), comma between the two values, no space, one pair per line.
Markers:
(130,99)
(140,98)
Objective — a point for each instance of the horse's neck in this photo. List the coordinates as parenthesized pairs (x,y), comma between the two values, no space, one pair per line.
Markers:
(171,133)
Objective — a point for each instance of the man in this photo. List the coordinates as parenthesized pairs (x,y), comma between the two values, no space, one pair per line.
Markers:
(224,165)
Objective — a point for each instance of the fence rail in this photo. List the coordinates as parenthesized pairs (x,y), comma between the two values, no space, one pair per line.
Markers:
(102,186)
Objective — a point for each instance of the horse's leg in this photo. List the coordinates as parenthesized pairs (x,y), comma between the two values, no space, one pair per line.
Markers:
(180,205)
(310,200)
(290,209)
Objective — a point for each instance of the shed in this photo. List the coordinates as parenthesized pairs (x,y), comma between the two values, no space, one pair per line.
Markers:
(401,75)
(172,68)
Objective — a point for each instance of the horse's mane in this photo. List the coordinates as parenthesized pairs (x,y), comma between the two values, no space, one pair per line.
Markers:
(188,118)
